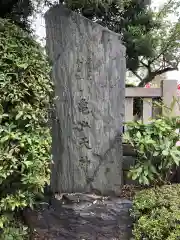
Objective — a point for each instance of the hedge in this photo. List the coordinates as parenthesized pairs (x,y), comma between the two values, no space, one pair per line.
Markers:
(156,213)
(25,95)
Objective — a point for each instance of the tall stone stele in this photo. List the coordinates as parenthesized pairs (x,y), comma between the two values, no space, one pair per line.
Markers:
(89,77)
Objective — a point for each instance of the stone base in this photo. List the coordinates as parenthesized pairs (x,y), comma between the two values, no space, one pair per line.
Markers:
(80,216)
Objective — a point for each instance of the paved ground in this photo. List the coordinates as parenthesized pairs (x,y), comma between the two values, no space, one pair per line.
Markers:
(76,217)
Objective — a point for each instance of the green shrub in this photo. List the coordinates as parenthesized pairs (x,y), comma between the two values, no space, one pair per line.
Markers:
(15,231)
(156,213)
(25,91)
(155,146)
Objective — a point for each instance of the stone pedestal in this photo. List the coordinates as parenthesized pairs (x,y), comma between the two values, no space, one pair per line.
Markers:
(80,216)
(89,74)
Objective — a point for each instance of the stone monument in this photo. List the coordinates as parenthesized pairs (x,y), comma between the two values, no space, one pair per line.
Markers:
(89,77)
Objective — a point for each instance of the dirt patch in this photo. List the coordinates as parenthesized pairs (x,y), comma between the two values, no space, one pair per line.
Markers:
(129,191)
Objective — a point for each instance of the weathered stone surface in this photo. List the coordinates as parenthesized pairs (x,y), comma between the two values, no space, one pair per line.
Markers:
(83,217)
(89,73)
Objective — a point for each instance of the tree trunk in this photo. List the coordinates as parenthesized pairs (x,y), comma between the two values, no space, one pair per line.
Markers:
(89,76)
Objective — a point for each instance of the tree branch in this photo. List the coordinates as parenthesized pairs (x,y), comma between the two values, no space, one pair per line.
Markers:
(144,64)
(152,75)
(166,47)
(137,75)
(167,69)
(147,79)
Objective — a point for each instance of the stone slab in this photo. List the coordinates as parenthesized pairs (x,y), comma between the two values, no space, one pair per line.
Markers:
(82,217)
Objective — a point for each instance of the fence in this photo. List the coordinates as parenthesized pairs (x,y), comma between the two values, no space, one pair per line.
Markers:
(167,92)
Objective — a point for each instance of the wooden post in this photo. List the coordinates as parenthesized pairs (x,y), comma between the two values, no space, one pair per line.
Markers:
(147,110)
(129,109)
(169,93)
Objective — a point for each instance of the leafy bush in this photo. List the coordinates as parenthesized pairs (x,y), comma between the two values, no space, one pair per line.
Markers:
(155,146)
(156,213)
(25,91)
